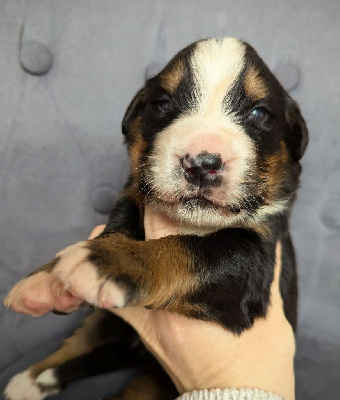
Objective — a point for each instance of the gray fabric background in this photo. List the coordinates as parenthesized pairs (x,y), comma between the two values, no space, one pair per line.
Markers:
(60,142)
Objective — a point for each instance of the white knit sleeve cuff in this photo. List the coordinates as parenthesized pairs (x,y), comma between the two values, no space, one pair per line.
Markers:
(230,394)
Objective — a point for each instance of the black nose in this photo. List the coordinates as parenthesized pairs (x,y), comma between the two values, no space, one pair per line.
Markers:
(203,170)
(210,162)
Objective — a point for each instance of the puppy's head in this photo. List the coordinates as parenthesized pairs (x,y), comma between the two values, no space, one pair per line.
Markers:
(214,139)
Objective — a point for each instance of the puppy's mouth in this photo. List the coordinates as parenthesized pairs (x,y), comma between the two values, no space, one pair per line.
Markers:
(200,200)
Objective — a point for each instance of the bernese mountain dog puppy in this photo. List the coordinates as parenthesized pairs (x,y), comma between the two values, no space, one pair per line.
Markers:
(215,143)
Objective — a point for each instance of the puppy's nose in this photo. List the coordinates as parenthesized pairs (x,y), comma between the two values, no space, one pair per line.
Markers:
(210,163)
(202,170)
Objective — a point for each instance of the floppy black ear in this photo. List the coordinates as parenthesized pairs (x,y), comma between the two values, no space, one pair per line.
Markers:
(298,135)
(132,111)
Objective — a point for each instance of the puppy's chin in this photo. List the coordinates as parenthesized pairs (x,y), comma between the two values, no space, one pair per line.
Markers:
(197,215)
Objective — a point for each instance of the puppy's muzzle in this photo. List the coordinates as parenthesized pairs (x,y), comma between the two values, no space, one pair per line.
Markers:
(203,170)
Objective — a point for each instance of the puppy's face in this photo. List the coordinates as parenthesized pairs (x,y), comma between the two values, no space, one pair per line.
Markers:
(214,140)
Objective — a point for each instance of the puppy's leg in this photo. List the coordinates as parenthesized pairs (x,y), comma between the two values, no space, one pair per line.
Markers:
(109,271)
(176,273)
(89,351)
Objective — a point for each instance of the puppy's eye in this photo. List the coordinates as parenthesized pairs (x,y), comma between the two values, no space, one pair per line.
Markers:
(259,114)
(164,105)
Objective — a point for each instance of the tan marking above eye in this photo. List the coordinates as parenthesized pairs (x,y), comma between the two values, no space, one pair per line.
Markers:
(172,75)
(254,85)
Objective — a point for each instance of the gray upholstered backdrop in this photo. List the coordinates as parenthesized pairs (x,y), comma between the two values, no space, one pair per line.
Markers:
(62,161)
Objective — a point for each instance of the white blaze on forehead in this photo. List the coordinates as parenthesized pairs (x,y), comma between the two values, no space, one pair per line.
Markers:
(216,64)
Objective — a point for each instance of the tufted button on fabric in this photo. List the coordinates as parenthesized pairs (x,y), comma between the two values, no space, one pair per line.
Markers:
(35,58)
(330,213)
(103,199)
(287,75)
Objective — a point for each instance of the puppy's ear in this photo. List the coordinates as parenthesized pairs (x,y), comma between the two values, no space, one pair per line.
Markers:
(133,110)
(298,133)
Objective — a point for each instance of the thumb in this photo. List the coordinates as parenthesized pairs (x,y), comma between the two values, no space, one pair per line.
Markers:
(97,231)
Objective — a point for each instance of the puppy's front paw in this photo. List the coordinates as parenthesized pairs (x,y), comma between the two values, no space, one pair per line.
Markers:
(23,387)
(80,277)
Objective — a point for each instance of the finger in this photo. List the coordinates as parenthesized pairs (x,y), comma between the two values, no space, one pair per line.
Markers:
(67,303)
(34,295)
(97,231)
(39,294)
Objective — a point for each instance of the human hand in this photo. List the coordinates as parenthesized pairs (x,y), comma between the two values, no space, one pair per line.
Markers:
(203,355)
